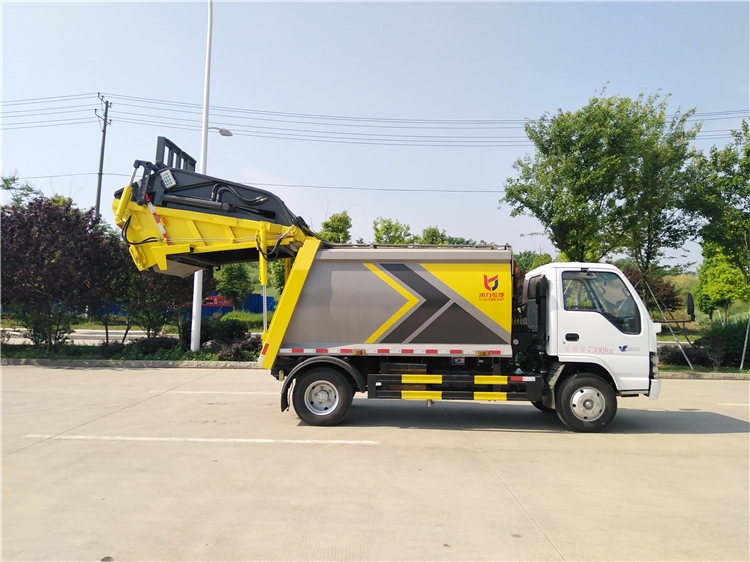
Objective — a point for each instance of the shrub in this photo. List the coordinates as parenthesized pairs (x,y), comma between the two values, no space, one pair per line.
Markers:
(671,355)
(110,349)
(244,350)
(733,336)
(253,320)
(149,346)
(59,322)
(229,330)
(721,346)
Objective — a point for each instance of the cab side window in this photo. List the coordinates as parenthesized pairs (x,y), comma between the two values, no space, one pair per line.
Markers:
(603,293)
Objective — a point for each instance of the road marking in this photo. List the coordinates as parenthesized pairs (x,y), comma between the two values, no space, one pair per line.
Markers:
(746,405)
(213,392)
(201,440)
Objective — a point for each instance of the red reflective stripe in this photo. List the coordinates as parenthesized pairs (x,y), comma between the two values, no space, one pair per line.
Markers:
(345,351)
(407,351)
(265,348)
(430,350)
(321,350)
(384,350)
(297,350)
(457,351)
(516,379)
(495,352)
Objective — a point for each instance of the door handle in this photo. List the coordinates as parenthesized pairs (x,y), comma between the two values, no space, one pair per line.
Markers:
(571,337)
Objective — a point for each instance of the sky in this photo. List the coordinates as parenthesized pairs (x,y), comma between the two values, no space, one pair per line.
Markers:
(409,111)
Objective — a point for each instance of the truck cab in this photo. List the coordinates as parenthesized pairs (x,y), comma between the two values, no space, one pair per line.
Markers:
(590,323)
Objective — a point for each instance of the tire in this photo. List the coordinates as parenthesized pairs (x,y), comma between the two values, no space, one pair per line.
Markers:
(542,408)
(586,403)
(322,396)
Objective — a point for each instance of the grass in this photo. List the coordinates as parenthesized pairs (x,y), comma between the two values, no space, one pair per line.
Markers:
(23,351)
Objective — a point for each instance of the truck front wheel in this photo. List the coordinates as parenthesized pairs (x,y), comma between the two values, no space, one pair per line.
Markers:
(322,397)
(586,403)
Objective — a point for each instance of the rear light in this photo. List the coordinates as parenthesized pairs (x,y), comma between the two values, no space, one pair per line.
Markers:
(653,365)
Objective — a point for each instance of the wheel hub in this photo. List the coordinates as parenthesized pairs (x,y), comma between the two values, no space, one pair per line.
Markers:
(587,404)
(321,398)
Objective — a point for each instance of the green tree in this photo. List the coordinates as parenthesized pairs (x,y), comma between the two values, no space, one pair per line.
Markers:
(20,193)
(433,235)
(540,260)
(460,241)
(388,231)
(277,275)
(235,282)
(590,179)
(720,283)
(337,228)
(157,299)
(723,199)
(525,259)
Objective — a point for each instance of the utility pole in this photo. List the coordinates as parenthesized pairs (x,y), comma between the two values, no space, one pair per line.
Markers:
(105,122)
(195,325)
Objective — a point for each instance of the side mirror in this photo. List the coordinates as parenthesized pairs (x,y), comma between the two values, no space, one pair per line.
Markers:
(690,305)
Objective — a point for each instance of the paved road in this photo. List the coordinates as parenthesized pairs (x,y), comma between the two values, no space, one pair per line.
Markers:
(187,464)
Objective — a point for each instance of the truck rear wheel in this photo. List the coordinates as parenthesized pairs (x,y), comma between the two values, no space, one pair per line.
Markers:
(586,403)
(322,397)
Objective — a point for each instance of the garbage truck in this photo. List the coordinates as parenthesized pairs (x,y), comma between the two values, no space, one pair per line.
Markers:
(400,322)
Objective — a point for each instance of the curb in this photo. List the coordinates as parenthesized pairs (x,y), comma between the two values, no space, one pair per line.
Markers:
(690,375)
(132,364)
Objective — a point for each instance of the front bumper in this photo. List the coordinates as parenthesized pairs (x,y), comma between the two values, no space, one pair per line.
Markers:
(654,389)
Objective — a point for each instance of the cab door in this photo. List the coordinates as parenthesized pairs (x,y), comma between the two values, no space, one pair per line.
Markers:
(599,320)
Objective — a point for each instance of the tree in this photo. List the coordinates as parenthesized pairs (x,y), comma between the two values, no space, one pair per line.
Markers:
(48,260)
(20,193)
(656,201)
(667,295)
(277,275)
(525,259)
(336,228)
(720,283)
(540,260)
(388,231)
(723,200)
(112,275)
(157,299)
(589,183)
(235,283)
(433,235)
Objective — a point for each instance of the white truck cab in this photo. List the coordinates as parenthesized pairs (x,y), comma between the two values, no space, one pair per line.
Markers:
(595,324)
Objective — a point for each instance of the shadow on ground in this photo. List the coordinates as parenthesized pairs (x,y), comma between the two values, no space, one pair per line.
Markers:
(467,416)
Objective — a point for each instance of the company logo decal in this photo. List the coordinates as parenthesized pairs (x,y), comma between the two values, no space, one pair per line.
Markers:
(623,347)
(491,284)
(628,348)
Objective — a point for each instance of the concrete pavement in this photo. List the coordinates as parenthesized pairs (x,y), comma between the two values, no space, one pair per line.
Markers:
(189,464)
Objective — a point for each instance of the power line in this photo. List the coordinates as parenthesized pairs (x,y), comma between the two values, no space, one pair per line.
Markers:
(304,186)
(46,100)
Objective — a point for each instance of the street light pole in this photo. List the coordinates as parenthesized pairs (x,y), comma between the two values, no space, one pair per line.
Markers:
(195,331)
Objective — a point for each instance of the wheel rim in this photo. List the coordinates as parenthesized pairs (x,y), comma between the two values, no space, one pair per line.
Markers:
(321,398)
(587,404)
